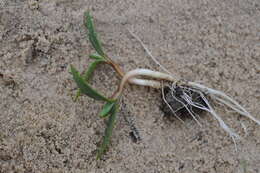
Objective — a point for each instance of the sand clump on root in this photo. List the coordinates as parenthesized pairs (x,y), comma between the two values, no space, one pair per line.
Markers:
(174,105)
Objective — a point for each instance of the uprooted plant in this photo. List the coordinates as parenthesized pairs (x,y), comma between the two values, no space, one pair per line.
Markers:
(178,95)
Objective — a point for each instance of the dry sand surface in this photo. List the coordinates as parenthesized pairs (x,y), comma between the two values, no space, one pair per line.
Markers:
(216,43)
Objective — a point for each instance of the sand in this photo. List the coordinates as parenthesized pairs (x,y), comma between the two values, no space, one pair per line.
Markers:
(42,130)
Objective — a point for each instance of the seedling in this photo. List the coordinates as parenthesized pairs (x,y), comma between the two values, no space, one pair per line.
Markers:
(179,96)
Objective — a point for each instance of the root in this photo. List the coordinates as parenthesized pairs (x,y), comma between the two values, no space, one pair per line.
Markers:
(187,108)
(221,122)
(174,113)
(190,86)
(223,98)
(189,103)
(202,90)
(148,52)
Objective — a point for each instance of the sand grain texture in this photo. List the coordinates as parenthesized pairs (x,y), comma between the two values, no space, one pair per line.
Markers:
(43,130)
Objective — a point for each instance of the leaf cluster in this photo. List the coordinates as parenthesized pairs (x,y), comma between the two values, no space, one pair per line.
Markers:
(111,106)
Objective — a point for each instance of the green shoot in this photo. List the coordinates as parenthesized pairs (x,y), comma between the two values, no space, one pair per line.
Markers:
(99,57)
(108,132)
(111,107)
(92,35)
(85,88)
(107,109)
(87,75)
(96,57)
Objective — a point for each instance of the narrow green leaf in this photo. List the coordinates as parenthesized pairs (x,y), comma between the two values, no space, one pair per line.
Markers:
(87,75)
(96,56)
(108,132)
(85,88)
(107,109)
(92,34)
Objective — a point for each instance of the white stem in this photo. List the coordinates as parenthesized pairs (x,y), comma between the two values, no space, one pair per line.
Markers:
(145,82)
(149,73)
(129,76)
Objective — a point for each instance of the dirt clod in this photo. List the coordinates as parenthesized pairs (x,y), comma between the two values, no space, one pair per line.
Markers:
(174,97)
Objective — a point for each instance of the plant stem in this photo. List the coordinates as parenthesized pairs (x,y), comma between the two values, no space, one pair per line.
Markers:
(116,67)
(129,77)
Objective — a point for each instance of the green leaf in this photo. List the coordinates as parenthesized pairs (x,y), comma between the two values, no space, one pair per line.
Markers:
(87,75)
(107,109)
(92,34)
(85,88)
(96,56)
(108,132)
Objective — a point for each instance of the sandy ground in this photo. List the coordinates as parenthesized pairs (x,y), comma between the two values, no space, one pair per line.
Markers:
(215,42)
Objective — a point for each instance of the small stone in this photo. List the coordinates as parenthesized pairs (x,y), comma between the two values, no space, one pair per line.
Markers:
(27,54)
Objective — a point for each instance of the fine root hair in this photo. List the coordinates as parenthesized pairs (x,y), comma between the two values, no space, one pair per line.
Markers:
(203,91)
